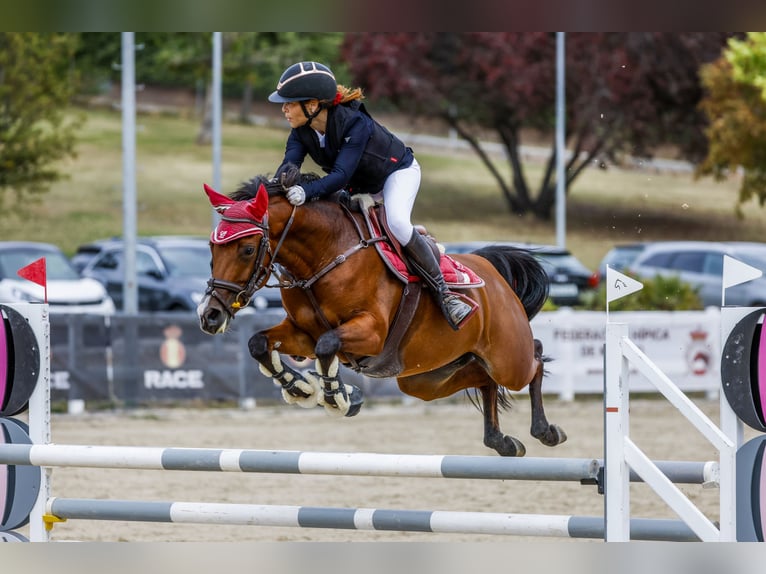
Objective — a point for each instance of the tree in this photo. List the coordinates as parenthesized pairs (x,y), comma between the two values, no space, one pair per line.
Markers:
(36,127)
(626,93)
(748,60)
(735,105)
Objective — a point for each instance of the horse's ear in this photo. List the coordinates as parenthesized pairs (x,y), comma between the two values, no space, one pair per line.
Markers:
(259,205)
(218,201)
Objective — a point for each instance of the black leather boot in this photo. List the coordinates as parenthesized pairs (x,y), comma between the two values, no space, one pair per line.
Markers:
(426,265)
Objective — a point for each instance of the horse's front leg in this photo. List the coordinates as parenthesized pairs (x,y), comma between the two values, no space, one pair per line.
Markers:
(362,336)
(296,388)
(338,398)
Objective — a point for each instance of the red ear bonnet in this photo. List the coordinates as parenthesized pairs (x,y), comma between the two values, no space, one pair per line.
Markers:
(238,218)
(219,202)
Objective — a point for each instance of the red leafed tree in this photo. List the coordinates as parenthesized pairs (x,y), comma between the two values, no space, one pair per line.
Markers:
(626,93)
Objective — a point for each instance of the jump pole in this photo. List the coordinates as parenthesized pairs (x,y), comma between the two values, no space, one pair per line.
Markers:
(443,522)
(584,470)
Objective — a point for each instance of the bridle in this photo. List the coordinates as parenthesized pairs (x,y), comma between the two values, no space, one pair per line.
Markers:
(261,272)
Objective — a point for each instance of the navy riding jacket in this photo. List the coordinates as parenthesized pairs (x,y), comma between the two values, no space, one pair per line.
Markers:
(358,154)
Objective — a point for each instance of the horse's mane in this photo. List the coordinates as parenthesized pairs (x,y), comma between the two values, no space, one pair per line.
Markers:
(286,177)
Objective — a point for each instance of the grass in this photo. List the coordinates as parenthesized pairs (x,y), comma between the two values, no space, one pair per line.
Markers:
(458,198)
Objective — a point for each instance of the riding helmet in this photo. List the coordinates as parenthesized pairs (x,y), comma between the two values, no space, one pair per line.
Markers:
(305,81)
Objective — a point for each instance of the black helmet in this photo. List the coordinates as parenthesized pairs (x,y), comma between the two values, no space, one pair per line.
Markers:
(305,81)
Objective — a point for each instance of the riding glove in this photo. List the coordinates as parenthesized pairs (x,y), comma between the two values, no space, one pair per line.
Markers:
(296,195)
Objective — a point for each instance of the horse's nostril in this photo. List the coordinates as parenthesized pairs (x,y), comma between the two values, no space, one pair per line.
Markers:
(211,319)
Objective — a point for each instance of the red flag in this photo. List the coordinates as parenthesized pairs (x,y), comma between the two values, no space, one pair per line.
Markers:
(34,272)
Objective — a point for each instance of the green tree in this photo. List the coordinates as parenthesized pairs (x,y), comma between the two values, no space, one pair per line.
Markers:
(748,60)
(735,105)
(36,125)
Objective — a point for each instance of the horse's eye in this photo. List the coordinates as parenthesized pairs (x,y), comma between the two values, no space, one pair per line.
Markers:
(249,250)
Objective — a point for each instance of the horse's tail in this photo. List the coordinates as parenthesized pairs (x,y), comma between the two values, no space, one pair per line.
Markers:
(523,272)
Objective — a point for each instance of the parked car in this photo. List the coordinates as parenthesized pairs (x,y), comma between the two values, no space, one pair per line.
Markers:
(569,278)
(700,264)
(172,272)
(67,291)
(620,257)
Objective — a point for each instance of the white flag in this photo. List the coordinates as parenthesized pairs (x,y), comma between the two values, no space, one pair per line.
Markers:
(619,285)
(736,272)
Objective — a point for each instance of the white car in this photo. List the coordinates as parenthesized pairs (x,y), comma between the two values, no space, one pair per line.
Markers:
(67,291)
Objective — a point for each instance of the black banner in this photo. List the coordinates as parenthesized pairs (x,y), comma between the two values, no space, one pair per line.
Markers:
(166,357)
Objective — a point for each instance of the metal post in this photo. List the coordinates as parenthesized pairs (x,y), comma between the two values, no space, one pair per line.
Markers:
(129,287)
(217,113)
(561,209)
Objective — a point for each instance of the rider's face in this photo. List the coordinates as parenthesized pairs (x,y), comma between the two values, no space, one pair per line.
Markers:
(294,114)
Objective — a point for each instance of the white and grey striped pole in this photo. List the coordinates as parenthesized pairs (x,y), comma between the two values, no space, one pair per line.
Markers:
(435,521)
(584,470)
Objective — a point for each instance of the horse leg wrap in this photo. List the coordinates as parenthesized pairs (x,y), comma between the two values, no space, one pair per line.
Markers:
(296,389)
(335,396)
(338,398)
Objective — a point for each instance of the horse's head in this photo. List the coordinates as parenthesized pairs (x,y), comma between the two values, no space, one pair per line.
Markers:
(242,258)
(239,246)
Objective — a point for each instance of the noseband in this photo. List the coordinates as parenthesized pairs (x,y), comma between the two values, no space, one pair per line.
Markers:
(261,272)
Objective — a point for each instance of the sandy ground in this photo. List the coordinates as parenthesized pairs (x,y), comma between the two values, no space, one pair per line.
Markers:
(418,428)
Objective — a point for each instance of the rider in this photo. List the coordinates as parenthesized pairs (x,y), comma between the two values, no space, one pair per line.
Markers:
(331,125)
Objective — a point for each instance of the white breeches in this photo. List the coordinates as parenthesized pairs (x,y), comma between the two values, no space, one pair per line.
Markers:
(399,193)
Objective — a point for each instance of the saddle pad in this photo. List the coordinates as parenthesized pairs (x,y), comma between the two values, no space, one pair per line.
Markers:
(456,274)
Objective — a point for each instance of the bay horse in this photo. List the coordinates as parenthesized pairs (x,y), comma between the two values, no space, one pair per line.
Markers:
(343,303)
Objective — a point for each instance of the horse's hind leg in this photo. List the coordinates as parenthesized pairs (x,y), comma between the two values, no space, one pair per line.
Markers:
(548,434)
(505,445)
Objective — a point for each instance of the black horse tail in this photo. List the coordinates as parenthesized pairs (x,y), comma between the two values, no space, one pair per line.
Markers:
(523,272)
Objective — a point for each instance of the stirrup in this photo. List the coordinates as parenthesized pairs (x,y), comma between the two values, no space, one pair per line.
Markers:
(456,310)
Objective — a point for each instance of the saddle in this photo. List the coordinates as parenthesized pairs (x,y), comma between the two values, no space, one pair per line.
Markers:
(456,275)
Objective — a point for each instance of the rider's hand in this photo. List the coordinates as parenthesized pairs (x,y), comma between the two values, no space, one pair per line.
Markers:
(296,195)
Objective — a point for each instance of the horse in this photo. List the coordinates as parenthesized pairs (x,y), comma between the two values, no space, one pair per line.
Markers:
(343,305)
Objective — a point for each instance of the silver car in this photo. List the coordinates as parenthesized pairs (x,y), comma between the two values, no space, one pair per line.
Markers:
(700,264)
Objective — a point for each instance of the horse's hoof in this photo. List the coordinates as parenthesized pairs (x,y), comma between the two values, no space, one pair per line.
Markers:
(554,435)
(508,446)
(340,404)
(355,399)
(518,447)
(561,436)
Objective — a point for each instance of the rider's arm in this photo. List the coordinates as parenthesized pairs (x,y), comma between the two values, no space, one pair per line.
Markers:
(355,137)
(295,151)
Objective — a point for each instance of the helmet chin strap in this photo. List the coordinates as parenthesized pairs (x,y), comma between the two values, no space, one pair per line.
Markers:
(308,115)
